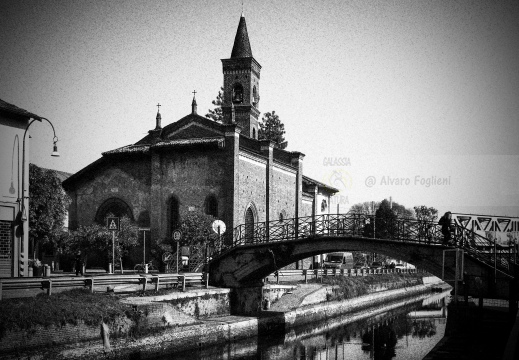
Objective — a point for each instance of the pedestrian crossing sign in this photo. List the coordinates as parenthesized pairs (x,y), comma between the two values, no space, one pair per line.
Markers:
(113,223)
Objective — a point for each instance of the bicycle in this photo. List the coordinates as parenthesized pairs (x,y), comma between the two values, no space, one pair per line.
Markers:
(141,266)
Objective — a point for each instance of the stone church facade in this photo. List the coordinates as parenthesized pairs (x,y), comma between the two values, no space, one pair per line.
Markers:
(198,165)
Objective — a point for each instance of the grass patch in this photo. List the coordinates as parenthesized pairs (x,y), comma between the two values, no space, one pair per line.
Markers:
(351,287)
(67,307)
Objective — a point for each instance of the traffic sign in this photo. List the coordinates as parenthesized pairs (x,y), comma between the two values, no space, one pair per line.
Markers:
(177,235)
(167,257)
(113,223)
(218,227)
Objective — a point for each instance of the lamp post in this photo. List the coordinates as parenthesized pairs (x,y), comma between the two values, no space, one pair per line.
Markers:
(54,154)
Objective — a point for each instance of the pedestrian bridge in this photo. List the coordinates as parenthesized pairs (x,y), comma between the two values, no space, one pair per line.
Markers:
(252,252)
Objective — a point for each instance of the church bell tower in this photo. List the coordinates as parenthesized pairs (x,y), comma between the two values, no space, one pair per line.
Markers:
(241,74)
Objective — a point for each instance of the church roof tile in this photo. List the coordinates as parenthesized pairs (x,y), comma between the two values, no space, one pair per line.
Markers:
(218,141)
(128,149)
(311,181)
(12,109)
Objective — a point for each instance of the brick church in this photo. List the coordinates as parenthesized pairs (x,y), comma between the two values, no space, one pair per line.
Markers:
(198,165)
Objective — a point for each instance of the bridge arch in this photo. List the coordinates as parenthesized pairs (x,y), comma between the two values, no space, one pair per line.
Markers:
(247,265)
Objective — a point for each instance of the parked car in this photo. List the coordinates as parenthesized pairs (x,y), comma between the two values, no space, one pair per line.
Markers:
(338,260)
(399,267)
(360,266)
(377,265)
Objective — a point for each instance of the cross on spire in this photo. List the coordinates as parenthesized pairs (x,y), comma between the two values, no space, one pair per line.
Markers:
(158,107)
(194,93)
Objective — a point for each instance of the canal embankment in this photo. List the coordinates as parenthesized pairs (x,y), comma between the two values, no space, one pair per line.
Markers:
(176,321)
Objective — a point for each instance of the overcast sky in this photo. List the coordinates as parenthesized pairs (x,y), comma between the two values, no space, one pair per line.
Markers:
(383,97)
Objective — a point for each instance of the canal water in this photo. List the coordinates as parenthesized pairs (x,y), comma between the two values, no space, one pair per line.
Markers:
(402,330)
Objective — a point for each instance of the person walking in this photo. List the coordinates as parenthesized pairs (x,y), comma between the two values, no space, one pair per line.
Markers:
(79,264)
(445,222)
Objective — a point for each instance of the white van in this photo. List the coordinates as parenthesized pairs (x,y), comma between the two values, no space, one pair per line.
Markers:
(338,260)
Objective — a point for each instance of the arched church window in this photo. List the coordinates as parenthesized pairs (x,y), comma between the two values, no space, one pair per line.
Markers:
(249,225)
(211,206)
(254,133)
(254,95)
(174,214)
(237,93)
(114,207)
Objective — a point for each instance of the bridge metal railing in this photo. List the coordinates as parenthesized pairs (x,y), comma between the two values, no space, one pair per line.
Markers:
(370,226)
(305,274)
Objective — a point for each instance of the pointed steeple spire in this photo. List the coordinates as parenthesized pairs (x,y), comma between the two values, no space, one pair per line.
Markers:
(158,118)
(193,103)
(241,46)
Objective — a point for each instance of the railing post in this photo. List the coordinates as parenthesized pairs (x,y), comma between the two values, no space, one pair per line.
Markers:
(47,283)
(305,272)
(157,281)
(144,281)
(183,278)
(206,275)
(495,261)
(277,277)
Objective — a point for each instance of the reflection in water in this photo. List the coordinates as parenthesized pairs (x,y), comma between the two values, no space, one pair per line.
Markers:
(408,331)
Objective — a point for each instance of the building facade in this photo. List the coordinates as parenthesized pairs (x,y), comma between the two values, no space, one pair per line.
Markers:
(14,228)
(199,165)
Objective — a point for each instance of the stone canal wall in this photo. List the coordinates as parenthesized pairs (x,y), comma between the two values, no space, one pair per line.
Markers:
(182,321)
(150,315)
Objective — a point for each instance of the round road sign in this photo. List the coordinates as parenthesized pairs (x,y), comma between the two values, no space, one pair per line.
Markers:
(219,227)
(177,235)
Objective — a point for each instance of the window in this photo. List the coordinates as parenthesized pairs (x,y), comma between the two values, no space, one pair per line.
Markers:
(6,246)
(254,96)
(254,133)
(211,206)
(237,93)
(324,205)
(249,225)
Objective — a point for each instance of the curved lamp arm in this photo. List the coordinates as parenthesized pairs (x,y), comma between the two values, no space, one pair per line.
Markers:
(54,153)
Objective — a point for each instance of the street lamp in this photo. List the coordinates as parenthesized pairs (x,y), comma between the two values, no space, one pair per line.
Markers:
(54,154)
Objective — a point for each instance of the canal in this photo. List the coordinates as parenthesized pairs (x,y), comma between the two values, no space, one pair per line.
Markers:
(408,329)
